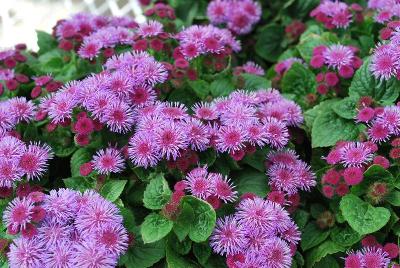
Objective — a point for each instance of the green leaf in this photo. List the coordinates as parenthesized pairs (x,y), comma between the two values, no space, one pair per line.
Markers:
(329,128)
(80,183)
(256,160)
(129,218)
(80,157)
(112,189)
(372,174)
(345,236)
(363,217)
(174,260)
(307,44)
(45,41)
(250,180)
(157,193)
(327,261)
(346,108)
(321,108)
(254,82)
(202,252)
(301,8)
(326,248)
(269,42)
(155,227)
(143,255)
(312,236)
(182,223)
(393,198)
(203,221)
(364,84)
(300,81)
(301,218)
(221,87)
(200,87)
(181,247)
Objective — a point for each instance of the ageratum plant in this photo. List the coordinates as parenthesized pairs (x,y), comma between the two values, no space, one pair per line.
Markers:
(224,133)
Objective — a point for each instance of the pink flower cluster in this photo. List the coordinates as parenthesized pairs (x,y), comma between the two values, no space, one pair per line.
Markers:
(384,122)
(108,37)
(335,14)
(82,24)
(201,40)
(341,59)
(209,186)
(112,97)
(14,111)
(354,157)
(386,57)
(368,257)
(234,124)
(259,234)
(105,37)
(239,16)
(288,174)
(9,58)
(65,229)
(387,10)
(18,159)
(249,67)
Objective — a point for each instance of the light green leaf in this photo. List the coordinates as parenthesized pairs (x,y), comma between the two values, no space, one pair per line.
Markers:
(112,189)
(204,219)
(155,227)
(329,128)
(80,157)
(363,217)
(157,193)
(364,84)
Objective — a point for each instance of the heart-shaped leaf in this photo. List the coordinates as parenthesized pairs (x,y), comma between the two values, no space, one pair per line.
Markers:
(363,217)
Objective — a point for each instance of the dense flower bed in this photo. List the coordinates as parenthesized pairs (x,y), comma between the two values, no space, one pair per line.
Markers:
(224,133)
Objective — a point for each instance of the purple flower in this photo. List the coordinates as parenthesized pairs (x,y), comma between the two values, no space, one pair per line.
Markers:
(90,254)
(108,161)
(228,236)
(25,253)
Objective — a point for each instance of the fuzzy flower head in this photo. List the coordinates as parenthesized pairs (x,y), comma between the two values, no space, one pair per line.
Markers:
(333,14)
(247,14)
(92,234)
(108,161)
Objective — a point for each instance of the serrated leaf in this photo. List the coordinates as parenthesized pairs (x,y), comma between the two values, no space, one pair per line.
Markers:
(312,236)
(79,157)
(200,87)
(251,181)
(328,128)
(174,260)
(363,217)
(112,189)
(157,193)
(300,81)
(345,237)
(155,227)
(346,108)
(129,218)
(143,255)
(182,223)
(221,87)
(45,42)
(326,248)
(255,82)
(269,42)
(364,84)
(202,252)
(203,221)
